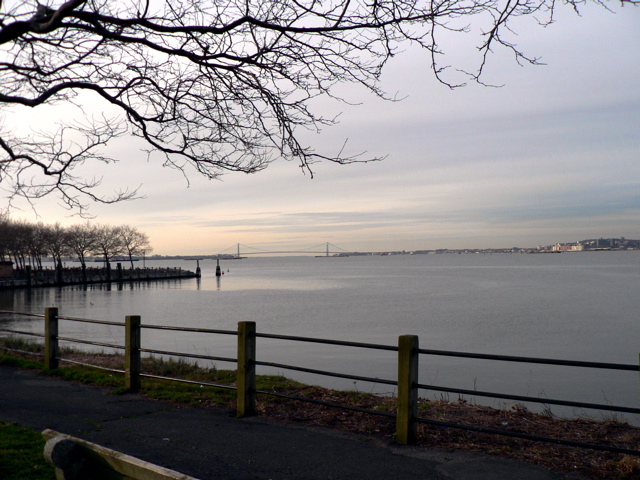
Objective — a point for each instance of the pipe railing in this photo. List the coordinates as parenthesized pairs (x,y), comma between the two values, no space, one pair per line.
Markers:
(407,383)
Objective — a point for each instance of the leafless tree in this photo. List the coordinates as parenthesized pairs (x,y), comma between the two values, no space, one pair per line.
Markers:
(57,241)
(39,244)
(82,241)
(108,243)
(134,241)
(213,86)
(19,235)
(5,237)
(15,240)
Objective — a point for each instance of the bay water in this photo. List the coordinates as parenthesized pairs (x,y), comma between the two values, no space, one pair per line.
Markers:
(573,306)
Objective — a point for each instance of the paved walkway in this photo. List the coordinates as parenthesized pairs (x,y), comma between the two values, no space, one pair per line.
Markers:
(209,444)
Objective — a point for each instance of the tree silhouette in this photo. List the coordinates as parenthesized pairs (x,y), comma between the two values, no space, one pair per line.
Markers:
(214,86)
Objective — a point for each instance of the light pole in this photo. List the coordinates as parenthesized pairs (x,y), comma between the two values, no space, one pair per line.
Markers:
(144,261)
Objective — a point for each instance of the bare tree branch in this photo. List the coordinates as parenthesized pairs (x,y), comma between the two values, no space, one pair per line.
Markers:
(215,86)
(43,163)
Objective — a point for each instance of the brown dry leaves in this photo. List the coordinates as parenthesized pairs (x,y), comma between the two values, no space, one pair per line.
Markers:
(590,464)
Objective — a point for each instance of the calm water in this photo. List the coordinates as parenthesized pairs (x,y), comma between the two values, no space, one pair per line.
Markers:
(577,306)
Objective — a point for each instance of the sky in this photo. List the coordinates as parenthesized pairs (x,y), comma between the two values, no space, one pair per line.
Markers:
(551,156)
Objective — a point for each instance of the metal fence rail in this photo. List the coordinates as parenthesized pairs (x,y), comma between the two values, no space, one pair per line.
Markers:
(188,355)
(97,322)
(521,398)
(92,365)
(188,329)
(184,380)
(328,341)
(535,438)
(89,342)
(543,361)
(342,406)
(407,382)
(20,332)
(326,373)
(23,314)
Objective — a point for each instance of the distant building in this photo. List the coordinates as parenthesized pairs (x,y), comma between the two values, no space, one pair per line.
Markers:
(6,269)
(568,247)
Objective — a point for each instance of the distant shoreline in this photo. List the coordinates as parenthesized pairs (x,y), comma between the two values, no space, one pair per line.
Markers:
(402,252)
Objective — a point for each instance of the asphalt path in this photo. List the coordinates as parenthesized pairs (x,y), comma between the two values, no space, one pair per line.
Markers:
(208,443)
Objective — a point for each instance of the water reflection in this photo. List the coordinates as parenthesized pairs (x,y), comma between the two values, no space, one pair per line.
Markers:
(35,300)
(533,305)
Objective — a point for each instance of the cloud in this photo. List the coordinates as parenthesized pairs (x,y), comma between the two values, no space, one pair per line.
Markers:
(551,156)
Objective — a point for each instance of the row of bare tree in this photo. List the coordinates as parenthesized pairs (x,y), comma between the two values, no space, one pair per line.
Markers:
(27,243)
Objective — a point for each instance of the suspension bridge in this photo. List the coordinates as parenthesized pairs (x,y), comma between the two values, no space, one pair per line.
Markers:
(322,249)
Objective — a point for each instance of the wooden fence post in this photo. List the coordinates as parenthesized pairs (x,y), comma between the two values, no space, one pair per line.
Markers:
(406,426)
(246,381)
(132,353)
(51,348)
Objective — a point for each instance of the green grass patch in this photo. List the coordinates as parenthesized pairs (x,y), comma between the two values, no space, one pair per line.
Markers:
(18,343)
(25,354)
(100,378)
(12,361)
(203,393)
(21,456)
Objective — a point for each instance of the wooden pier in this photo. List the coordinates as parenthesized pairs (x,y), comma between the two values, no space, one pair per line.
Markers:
(59,277)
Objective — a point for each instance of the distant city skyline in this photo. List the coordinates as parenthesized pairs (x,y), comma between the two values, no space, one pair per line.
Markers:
(321,248)
(552,156)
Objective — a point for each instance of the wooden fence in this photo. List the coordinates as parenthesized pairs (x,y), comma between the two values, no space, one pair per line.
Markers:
(407,381)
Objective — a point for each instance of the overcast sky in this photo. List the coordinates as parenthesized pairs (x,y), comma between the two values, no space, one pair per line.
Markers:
(552,156)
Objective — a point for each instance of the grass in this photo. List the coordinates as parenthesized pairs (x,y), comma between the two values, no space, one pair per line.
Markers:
(21,455)
(589,464)
(26,355)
